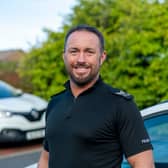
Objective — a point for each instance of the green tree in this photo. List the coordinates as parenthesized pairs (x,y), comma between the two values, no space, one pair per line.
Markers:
(43,66)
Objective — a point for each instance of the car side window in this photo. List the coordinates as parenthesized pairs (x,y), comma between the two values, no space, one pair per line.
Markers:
(158,127)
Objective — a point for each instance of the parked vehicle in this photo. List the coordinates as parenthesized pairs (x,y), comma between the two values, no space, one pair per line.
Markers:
(156,122)
(22,115)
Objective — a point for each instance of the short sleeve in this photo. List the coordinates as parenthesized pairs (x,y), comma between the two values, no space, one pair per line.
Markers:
(132,132)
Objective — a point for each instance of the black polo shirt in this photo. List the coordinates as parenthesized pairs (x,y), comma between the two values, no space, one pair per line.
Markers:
(93,130)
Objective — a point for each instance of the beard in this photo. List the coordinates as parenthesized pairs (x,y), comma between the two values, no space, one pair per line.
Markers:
(82,79)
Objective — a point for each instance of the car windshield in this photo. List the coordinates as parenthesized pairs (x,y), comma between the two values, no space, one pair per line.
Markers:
(7,91)
(157,127)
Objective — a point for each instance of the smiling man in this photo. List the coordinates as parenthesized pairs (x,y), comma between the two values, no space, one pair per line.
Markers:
(90,124)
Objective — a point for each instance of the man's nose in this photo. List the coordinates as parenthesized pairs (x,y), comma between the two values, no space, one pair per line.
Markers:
(81,57)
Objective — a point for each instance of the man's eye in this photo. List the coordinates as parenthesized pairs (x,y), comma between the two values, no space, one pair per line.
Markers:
(90,52)
(73,52)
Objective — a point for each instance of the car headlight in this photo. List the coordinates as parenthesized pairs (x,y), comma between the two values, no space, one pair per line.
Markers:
(5,114)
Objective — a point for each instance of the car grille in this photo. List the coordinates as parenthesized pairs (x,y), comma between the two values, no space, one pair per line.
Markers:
(33,115)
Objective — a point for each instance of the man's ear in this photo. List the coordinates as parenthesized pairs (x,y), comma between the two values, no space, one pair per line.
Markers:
(103,57)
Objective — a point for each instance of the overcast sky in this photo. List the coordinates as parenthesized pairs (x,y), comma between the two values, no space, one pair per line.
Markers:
(22,21)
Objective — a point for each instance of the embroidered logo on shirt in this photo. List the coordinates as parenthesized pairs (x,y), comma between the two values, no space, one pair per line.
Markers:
(144,141)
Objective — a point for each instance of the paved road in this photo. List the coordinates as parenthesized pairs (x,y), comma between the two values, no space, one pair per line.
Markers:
(19,155)
(20,160)
(10,149)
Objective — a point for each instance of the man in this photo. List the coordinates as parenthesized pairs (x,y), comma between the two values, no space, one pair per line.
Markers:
(90,124)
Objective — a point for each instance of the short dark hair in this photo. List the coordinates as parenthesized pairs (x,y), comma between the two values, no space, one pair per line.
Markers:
(89,29)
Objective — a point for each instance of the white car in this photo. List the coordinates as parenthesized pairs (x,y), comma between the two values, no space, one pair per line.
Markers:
(22,115)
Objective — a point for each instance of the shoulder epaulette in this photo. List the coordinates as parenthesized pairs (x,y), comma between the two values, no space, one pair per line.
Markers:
(124,94)
(119,92)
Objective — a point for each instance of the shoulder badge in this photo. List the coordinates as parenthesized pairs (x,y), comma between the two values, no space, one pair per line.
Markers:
(124,94)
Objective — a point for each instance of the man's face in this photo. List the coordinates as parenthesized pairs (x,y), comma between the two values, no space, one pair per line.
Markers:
(83,57)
